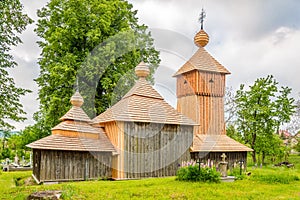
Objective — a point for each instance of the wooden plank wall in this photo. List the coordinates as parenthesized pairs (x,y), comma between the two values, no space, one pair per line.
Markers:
(115,133)
(206,111)
(201,83)
(231,157)
(155,150)
(36,163)
(74,165)
(202,100)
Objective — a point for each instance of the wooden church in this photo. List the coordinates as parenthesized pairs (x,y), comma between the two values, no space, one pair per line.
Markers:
(142,135)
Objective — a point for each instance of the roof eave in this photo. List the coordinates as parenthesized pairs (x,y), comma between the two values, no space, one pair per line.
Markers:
(156,122)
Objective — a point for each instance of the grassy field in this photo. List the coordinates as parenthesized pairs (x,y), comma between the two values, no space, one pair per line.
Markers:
(264,183)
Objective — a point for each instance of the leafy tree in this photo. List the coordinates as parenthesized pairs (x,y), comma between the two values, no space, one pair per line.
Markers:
(260,112)
(232,132)
(293,126)
(230,106)
(12,22)
(94,41)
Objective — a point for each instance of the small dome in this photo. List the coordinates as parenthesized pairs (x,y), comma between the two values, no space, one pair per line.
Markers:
(142,70)
(201,38)
(76,99)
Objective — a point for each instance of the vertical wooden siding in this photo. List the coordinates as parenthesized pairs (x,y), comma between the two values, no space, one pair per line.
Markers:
(36,163)
(231,157)
(155,150)
(115,133)
(206,111)
(201,83)
(200,97)
(73,165)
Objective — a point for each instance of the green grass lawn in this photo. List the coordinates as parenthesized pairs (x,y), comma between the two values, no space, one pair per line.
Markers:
(264,183)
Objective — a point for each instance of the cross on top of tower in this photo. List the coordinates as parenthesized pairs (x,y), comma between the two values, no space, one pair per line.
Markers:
(201,18)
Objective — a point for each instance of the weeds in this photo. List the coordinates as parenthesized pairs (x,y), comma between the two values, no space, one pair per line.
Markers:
(68,192)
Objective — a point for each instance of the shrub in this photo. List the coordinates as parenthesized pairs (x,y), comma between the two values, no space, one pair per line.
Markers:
(192,173)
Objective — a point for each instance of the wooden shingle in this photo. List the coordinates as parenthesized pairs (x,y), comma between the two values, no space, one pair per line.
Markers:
(217,143)
(202,61)
(143,104)
(60,142)
(75,133)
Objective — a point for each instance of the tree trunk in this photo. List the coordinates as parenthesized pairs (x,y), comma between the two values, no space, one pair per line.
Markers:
(252,146)
(263,158)
(254,156)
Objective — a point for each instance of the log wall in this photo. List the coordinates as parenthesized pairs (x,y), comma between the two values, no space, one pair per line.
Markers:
(51,165)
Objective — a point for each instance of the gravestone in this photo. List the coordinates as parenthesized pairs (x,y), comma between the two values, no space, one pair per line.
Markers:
(223,166)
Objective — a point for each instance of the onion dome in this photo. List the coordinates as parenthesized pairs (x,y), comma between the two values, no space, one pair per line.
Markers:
(142,70)
(76,99)
(201,38)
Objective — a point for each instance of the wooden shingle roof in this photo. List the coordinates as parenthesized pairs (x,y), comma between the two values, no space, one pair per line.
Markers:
(143,88)
(217,143)
(77,114)
(202,61)
(76,119)
(143,104)
(76,126)
(75,133)
(60,142)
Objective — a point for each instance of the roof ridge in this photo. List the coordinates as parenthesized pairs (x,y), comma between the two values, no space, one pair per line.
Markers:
(143,109)
(143,88)
(203,61)
(77,114)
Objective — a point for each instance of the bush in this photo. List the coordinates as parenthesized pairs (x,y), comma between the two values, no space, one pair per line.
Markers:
(192,173)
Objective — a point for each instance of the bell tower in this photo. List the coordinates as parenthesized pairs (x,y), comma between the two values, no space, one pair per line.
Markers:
(201,88)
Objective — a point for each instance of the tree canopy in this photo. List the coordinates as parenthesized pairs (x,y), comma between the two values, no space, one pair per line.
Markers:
(260,112)
(12,22)
(96,42)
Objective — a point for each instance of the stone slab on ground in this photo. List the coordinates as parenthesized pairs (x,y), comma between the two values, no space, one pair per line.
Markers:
(48,194)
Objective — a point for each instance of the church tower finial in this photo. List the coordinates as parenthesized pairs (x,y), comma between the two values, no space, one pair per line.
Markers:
(201,18)
(201,38)
(142,70)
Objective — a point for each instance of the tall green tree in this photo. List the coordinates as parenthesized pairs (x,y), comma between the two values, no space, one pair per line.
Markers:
(96,42)
(261,110)
(12,23)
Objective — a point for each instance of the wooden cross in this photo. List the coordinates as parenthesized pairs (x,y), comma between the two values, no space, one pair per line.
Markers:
(223,156)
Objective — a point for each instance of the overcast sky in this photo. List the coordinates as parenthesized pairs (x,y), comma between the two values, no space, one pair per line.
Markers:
(251,38)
